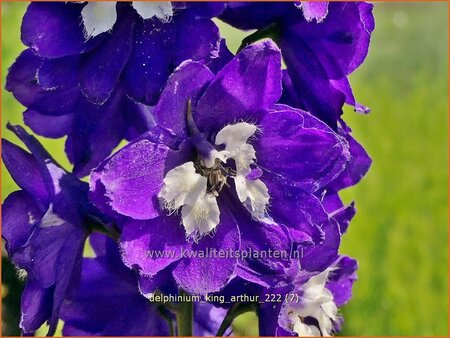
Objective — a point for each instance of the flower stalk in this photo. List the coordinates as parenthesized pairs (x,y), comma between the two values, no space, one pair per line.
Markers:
(184,317)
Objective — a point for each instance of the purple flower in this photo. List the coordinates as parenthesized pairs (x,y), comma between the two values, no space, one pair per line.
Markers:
(90,68)
(44,227)
(108,301)
(320,48)
(241,170)
(310,302)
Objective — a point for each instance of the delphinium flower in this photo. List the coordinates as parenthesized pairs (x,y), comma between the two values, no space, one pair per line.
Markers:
(310,302)
(321,44)
(306,300)
(227,155)
(108,301)
(44,226)
(320,48)
(236,170)
(90,68)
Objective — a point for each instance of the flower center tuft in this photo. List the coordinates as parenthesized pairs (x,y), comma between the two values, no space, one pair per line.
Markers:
(216,175)
(194,186)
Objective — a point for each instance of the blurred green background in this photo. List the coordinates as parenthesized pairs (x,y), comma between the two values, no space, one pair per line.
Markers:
(400,233)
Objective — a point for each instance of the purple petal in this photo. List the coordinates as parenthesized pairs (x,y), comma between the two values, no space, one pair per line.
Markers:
(36,307)
(48,126)
(356,168)
(342,279)
(344,216)
(55,29)
(21,78)
(302,213)
(103,66)
(104,246)
(196,40)
(50,171)
(341,42)
(50,246)
(96,131)
(59,73)
(67,274)
(260,237)
(197,10)
(330,200)
(330,51)
(116,308)
(255,15)
(139,117)
(22,81)
(149,64)
(268,319)
(52,257)
(338,211)
(67,194)
(224,56)
(163,281)
(207,319)
(19,213)
(129,181)
(25,170)
(152,245)
(201,276)
(246,87)
(310,88)
(344,86)
(321,256)
(187,82)
(307,157)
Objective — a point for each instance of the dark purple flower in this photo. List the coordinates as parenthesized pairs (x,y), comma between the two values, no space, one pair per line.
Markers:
(310,302)
(242,171)
(108,301)
(320,48)
(44,227)
(90,68)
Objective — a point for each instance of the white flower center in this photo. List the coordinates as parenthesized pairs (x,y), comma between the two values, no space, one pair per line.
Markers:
(317,302)
(147,10)
(194,187)
(100,17)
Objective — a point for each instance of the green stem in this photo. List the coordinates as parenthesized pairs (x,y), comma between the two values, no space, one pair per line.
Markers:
(168,305)
(271,31)
(184,317)
(236,310)
(163,313)
(96,225)
(113,234)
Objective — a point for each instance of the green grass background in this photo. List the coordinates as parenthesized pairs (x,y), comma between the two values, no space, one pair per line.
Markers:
(400,233)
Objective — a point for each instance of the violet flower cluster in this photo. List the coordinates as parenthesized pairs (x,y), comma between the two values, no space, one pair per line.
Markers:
(225,198)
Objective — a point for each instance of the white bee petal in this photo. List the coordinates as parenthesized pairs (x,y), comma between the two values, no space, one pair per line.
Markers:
(182,185)
(234,136)
(147,10)
(98,17)
(243,158)
(50,219)
(317,302)
(254,195)
(202,217)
